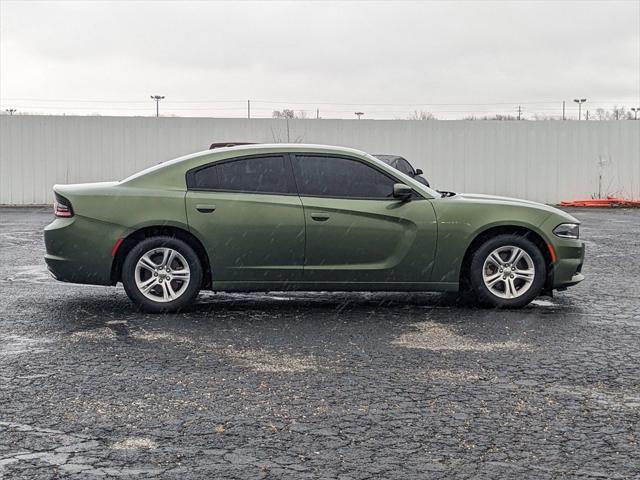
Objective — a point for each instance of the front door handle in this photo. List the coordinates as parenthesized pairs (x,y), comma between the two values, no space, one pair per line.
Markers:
(205,208)
(320,217)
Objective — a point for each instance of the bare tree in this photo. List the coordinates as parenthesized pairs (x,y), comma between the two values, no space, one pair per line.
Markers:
(616,113)
(288,114)
(621,113)
(543,116)
(283,114)
(421,115)
(497,116)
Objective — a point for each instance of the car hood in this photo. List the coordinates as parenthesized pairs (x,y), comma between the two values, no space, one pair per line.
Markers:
(497,200)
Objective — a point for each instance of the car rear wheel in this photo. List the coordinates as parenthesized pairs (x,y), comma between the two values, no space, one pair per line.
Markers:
(162,274)
(507,271)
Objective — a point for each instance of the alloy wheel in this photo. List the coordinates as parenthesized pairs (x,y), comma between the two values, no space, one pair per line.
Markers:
(162,274)
(508,272)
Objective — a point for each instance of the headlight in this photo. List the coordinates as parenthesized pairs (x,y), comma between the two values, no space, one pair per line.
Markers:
(567,230)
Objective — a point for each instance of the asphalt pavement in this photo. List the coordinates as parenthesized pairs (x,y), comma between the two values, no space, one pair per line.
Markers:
(318,385)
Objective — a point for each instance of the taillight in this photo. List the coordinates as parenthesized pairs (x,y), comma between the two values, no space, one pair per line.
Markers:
(62,207)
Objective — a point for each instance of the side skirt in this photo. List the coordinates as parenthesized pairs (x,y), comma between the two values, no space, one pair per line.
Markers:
(335,287)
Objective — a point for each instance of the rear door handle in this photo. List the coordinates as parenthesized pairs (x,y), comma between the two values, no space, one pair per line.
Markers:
(205,208)
(320,217)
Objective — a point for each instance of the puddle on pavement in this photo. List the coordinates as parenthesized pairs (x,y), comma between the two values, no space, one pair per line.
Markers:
(135,443)
(607,398)
(18,345)
(95,335)
(30,274)
(67,451)
(263,361)
(456,375)
(256,359)
(436,337)
(543,303)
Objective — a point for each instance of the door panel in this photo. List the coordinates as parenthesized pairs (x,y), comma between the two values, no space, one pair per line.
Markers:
(359,240)
(249,237)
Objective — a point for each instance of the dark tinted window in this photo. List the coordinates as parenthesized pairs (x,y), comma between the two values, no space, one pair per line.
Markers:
(258,174)
(340,177)
(388,159)
(404,167)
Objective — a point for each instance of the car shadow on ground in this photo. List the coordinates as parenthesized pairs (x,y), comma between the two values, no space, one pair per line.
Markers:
(208,304)
(212,303)
(307,314)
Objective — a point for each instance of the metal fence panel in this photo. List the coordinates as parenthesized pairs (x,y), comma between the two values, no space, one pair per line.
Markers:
(546,161)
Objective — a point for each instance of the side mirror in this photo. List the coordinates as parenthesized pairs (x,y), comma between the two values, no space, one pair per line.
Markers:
(419,171)
(402,191)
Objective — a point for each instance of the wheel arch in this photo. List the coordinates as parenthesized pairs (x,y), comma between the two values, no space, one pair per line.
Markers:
(490,232)
(155,231)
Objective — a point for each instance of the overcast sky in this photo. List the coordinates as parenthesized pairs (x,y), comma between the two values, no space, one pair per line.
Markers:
(208,58)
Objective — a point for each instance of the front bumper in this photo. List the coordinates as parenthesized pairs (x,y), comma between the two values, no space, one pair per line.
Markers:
(567,270)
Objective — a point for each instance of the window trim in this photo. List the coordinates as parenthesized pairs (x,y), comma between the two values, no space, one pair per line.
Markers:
(416,195)
(190,175)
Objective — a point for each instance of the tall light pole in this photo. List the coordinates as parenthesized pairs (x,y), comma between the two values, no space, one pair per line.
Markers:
(358,114)
(579,101)
(635,111)
(157,99)
(11,111)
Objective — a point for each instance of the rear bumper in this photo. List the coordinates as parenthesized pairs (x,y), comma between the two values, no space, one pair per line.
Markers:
(66,270)
(79,250)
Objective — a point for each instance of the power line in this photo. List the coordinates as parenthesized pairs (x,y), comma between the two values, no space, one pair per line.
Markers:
(313,103)
(262,108)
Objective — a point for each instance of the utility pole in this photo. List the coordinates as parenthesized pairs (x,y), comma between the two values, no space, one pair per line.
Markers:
(358,114)
(563,109)
(317,113)
(11,111)
(519,112)
(579,101)
(248,108)
(157,99)
(635,111)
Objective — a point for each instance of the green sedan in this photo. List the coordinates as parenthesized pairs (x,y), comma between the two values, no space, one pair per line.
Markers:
(303,217)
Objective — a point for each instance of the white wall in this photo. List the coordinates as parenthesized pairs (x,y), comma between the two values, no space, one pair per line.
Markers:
(547,161)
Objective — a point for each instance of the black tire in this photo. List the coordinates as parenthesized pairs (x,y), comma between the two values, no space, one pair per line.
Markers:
(486,296)
(188,293)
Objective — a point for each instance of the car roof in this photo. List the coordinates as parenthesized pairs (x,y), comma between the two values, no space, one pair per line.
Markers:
(223,153)
(283,147)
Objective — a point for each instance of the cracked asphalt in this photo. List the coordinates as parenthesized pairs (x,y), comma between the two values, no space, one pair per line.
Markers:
(323,386)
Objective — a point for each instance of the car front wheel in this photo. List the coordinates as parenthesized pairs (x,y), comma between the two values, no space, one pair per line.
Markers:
(507,271)
(162,274)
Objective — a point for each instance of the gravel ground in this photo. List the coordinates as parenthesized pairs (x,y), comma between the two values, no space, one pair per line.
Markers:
(307,385)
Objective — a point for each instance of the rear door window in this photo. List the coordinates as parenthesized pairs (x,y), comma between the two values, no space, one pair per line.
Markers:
(268,174)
